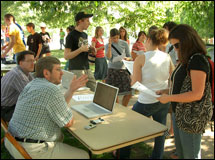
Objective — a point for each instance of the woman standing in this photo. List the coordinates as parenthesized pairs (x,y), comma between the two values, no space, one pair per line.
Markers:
(100,62)
(124,35)
(153,70)
(117,50)
(187,43)
(138,45)
(45,41)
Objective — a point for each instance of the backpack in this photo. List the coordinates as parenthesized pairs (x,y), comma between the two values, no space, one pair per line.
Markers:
(212,78)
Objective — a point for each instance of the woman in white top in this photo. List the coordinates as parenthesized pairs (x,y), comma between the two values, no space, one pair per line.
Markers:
(153,70)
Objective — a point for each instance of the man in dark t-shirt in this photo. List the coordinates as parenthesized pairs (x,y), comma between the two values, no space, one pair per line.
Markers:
(34,40)
(45,41)
(77,49)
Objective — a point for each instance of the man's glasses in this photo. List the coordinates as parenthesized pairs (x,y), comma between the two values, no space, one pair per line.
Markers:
(176,45)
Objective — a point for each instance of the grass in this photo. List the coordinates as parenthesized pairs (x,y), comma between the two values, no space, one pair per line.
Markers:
(138,151)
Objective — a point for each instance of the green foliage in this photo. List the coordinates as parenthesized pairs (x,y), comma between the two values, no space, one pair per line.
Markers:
(200,15)
(133,15)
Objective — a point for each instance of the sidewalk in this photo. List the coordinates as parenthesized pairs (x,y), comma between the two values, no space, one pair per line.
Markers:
(207,138)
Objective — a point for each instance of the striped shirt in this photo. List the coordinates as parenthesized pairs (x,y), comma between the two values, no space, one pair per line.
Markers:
(12,85)
(41,111)
(138,46)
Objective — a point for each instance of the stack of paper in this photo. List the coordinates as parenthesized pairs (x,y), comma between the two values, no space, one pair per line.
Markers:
(86,97)
(129,65)
(140,87)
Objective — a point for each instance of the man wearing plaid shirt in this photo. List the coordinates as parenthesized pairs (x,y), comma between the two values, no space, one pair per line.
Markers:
(41,111)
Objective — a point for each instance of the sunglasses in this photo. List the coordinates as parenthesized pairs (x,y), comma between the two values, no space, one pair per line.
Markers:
(176,45)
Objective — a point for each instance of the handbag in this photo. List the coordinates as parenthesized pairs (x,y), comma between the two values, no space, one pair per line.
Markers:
(193,117)
(91,56)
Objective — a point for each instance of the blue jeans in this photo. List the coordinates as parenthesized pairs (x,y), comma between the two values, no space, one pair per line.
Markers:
(188,146)
(159,113)
(61,43)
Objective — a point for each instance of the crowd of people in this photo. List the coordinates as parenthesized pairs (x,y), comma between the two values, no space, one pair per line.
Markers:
(163,57)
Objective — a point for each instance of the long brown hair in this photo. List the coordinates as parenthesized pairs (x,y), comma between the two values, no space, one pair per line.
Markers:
(126,35)
(97,30)
(189,42)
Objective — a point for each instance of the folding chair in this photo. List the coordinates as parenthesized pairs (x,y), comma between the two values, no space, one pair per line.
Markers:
(6,126)
(12,140)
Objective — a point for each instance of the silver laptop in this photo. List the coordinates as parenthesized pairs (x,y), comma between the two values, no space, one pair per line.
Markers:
(67,78)
(103,102)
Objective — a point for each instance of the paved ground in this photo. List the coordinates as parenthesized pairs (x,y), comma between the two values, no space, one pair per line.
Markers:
(207,139)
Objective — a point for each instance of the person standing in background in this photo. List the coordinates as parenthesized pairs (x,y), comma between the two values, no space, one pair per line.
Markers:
(117,50)
(68,30)
(16,37)
(138,45)
(169,48)
(45,41)
(100,62)
(171,51)
(62,35)
(34,41)
(123,35)
(77,49)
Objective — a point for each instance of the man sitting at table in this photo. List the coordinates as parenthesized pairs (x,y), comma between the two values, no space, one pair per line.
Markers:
(41,111)
(14,82)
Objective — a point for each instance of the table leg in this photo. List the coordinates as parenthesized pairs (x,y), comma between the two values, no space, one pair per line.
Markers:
(90,154)
(117,154)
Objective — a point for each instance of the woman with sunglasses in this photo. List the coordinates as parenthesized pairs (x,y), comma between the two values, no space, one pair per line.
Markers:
(187,42)
(153,70)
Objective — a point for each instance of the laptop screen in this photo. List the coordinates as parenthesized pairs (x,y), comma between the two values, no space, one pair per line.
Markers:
(105,95)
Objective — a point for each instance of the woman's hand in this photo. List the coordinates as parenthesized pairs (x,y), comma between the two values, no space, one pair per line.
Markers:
(164,91)
(164,98)
(128,58)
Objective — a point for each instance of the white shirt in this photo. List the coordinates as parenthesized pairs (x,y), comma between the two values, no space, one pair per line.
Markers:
(2,34)
(155,74)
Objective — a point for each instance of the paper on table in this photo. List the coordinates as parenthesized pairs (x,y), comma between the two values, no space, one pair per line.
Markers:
(86,97)
(142,88)
(129,65)
(139,52)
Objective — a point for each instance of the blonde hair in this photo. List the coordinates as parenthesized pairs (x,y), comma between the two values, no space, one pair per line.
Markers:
(97,31)
(158,36)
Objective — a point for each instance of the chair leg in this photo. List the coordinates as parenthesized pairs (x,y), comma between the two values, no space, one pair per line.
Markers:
(212,126)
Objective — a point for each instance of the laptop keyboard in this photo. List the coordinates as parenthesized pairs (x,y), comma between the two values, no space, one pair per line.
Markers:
(95,109)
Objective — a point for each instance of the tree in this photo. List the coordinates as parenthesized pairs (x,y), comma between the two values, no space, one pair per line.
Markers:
(200,15)
(133,15)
